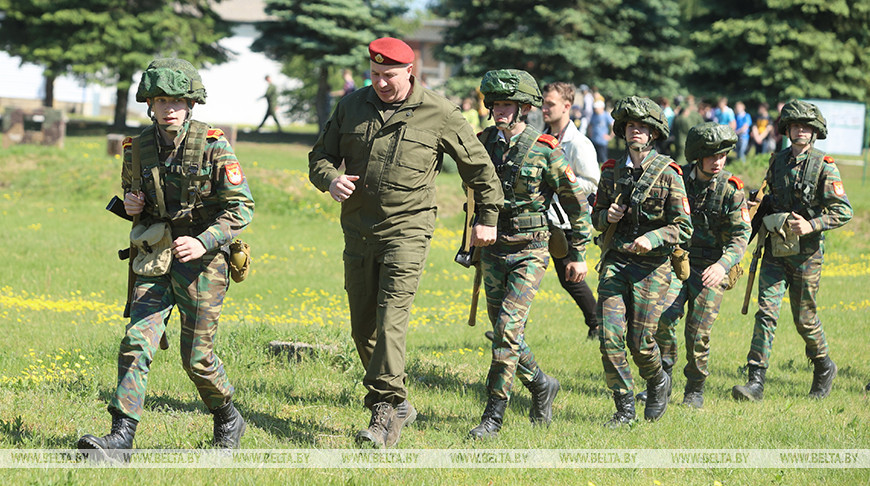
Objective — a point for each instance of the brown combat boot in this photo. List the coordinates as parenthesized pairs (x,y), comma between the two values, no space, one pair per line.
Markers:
(376,435)
(754,388)
(405,415)
(824,372)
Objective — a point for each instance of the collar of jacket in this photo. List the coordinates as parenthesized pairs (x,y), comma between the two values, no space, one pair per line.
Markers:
(413,100)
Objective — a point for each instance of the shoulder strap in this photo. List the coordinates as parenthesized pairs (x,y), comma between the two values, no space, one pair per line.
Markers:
(136,169)
(721,184)
(644,184)
(514,160)
(194,147)
(810,177)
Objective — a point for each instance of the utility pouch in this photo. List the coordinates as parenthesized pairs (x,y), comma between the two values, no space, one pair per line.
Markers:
(783,241)
(154,245)
(240,260)
(680,263)
(733,276)
(558,242)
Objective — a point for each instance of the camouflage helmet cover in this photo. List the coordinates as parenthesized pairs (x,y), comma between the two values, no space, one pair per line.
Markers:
(510,85)
(639,109)
(709,139)
(797,111)
(171,77)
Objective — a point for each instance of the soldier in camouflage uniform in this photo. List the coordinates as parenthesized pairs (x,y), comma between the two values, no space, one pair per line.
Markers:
(391,137)
(531,167)
(806,198)
(721,225)
(191,180)
(644,196)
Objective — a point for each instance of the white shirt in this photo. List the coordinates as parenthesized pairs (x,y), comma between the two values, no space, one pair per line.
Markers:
(581,157)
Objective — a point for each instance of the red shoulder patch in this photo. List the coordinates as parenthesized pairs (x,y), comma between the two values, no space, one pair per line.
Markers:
(127,142)
(829,159)
(610,163)
(234,173)
(676,167)
(214,133)
(549,140)
(737,182)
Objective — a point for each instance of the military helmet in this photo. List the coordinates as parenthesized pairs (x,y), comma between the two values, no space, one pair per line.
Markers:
(797,111)
(708,139)
(510,85)
(171,77)
(639,109)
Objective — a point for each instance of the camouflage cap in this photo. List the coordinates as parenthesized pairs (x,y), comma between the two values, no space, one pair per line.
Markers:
(171,77)
(639,109)
(797,111)
(709,139)
(510,85)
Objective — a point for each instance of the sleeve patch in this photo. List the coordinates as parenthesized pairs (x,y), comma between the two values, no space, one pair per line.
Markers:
(829,159)
(686,207)
(127,142)
(234,173)
(838,189)
(744,213)
(676,168)
(736,181)
(570,174)
(549,140)
(610,163)
(215,133)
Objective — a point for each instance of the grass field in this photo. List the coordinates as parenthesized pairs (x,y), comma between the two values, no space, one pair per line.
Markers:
(61,297)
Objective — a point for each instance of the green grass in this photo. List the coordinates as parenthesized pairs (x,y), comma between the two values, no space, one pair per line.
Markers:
(61,291)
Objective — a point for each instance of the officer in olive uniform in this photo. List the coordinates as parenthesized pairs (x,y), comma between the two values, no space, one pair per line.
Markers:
(807,197)
(391,136)
(531,167)
(722,226)
(643,195)
(190,178)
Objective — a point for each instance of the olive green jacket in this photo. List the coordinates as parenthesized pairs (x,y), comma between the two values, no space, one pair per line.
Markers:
(397,161)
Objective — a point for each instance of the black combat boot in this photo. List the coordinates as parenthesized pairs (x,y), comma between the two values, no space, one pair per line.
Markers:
(405,415)
(754,389)
(658,392)
(641,397)
(490,422)
(624,410)
(544,389)
(824,371)
(121,436)
(229,427)
(693,396)
(592,334)
(376,435)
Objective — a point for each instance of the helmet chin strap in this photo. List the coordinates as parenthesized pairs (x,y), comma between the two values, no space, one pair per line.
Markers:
(643,147)
(512,124)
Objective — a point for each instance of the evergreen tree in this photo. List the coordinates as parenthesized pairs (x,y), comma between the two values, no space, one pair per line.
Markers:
(780,49)
(622,47)
(109,41)
(314,38)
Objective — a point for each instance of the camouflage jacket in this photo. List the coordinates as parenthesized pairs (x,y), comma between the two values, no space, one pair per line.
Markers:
(720,219)
(529,185)
(829,207)
(397,161)
(220,204)
(663,217)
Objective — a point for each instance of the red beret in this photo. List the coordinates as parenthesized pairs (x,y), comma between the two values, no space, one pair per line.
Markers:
(388,50)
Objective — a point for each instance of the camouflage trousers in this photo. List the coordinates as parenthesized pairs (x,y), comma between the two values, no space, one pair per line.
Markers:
(197,290)
(512,273)
(703,303)
(631,290)
(800,275)
(381,280)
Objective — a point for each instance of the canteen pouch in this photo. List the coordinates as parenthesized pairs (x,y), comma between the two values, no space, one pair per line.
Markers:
(240,260)
(783,241)
(680,263)
(558,242)
(154,244)
(733,276)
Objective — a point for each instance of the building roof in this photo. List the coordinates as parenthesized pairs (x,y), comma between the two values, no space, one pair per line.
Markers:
(242,11)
